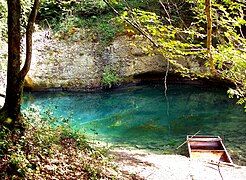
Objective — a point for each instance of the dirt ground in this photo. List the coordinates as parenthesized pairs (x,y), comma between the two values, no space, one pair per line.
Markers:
(142,165)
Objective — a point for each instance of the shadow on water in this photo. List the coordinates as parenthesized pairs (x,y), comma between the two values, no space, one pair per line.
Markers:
(141,117)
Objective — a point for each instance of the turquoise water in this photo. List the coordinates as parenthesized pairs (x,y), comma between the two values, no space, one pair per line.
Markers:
(142,117)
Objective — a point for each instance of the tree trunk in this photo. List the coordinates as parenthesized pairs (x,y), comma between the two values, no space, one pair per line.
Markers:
(209,35)
(29,31)
(10,113)
(11,108)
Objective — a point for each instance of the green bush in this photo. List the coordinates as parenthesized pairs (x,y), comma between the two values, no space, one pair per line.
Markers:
(53,10)
(4,143)
(62,16)
(109,77)
(50,148)
(108,28)
(90,8)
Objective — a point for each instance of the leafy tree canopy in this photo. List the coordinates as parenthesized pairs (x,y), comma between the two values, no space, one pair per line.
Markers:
(179,37)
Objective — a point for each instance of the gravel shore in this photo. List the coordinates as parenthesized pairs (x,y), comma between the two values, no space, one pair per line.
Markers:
(142,165)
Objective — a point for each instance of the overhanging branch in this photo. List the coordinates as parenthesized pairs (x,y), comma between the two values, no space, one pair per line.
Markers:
(133,25)
(169,18)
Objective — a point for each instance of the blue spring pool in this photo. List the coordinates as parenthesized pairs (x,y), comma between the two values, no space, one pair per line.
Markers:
(143,117)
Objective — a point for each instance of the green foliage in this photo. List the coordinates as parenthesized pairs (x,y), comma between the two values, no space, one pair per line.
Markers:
(4,143)
(3,21)
(109,77)
(63,16)
(140,4)
(53,11)
(65,25)
(239,95)
(25,10)
(90,8)
(104,26)
(176,12)
(49,148)
(174,41)
(107,28)
(26,6)
(228,42)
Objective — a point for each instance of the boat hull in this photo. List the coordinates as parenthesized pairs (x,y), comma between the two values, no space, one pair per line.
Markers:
(209,148)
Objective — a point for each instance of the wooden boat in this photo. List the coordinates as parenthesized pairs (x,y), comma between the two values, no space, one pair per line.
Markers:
(210,148)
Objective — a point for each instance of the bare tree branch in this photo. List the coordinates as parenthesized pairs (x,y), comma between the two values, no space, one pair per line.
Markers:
(169,18)
(175,5)
(130,10)
(133,25)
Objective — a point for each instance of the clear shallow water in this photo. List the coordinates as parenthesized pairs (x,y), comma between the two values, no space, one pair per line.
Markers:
(142,117)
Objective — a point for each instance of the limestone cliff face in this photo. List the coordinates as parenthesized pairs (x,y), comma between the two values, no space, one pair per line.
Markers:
(76,62)
(67,64)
